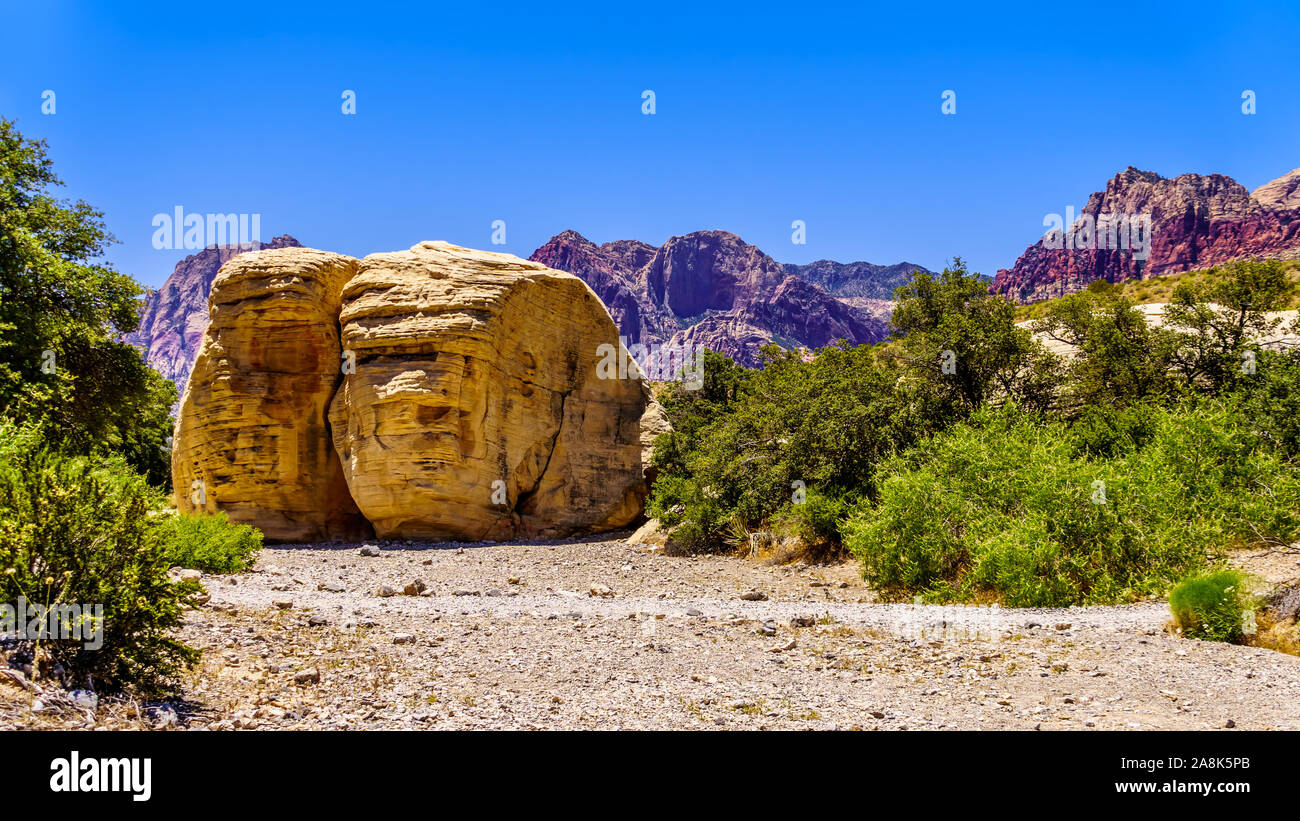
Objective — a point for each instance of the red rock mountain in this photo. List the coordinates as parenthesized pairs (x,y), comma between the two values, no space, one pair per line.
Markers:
(176,315)
(1196,222)
(709,289)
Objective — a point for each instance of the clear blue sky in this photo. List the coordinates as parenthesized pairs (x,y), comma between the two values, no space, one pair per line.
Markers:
(468,113)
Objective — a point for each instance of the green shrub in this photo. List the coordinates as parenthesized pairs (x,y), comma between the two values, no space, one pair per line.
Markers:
(209,542)
(1272,400)
(816,522)
(1213,607)
(73,531)
(1007,507)
(700,523)
(824,422)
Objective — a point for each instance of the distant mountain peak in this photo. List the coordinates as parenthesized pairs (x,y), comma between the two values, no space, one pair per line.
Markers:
(713,289)
(1196,221)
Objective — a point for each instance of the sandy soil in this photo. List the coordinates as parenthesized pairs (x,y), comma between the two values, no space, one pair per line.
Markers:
(604,635)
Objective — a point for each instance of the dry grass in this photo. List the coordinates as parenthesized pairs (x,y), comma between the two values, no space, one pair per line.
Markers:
(1161,289)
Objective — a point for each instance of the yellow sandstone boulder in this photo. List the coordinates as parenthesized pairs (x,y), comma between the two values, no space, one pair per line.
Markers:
(474,409)
(252,438)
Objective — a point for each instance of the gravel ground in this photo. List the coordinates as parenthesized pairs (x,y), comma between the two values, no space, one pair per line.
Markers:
(603,635)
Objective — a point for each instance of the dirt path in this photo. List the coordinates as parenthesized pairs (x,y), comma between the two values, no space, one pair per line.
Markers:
(511,636)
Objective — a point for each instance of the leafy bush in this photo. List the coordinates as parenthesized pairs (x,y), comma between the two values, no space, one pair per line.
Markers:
(1007,507)
(1218,320)
(62,313)
(209,542)
(1212,606)
(1106,431)
(816,522)
(824,422)
(1119,358)
(74,531)
(1272,400)
(951,319)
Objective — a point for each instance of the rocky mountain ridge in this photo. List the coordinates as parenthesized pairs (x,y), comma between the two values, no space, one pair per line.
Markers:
(711,289)
(1195,222)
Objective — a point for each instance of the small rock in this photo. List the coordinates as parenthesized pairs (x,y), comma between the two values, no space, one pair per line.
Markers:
(803,621)
(368,550)
(330,587)
(188,575)
(385,591)
(1229,724)
(465,593)
(877,714)
(753,595)
(317,621)
(789,645)
(415,588)
(602,591)
(85,699)
(1065,625)
(693,612)
(282,604)
(513,580)
(403,638)
(307,677)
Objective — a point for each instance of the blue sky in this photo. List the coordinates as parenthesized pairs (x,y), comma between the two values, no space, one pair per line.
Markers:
(470,113)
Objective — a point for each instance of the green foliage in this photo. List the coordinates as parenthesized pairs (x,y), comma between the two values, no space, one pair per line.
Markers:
(1106,430)
(688,411)
(210,543)
(816,522)
(1272,400)
(824,422)
(1011,507)
(1119,358)
(1213,607)
(954,319)
(61,316)
(1217,321)
(75,530)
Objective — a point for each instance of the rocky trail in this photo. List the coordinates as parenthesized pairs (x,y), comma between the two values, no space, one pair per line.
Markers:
(605,635)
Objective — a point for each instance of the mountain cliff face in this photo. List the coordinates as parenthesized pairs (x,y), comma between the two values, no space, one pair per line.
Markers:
(176,315)
(855,279)
(1195,222)
(709,289)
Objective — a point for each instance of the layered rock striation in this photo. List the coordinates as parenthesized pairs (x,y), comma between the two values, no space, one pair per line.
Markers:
(252,437)
(175,316)
(435,393)
(475,410)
